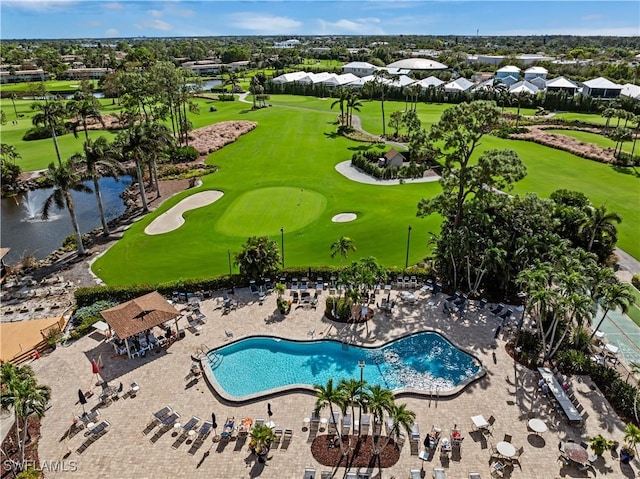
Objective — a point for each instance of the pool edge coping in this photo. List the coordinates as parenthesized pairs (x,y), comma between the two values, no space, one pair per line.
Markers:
(219,392)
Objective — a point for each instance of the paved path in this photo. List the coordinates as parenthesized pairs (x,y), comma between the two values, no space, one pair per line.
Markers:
(355,174)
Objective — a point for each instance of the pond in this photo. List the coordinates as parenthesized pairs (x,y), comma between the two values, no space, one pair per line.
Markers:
(24,231)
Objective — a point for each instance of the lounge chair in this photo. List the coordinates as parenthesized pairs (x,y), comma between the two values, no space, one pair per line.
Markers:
(186,429)
(334,419)
(351,475)
(364,424)
(474,475)
(309,473)
(506,315)
(433,438)
(229,426)
(100,428)
(436,289)
(268,286)
(259,421)
(170,419)
(415,474)
(415,432)
(205,430)
(439,473)
(498,309)
(346,424)
(319,285)
(90,417)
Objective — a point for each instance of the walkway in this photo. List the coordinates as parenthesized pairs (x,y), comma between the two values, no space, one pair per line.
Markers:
(355,174)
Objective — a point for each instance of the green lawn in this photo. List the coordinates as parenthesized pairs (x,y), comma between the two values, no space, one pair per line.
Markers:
(50,85)
(594,138)
(585,117)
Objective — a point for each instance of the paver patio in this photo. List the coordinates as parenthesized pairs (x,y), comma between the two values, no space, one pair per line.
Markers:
(508,391)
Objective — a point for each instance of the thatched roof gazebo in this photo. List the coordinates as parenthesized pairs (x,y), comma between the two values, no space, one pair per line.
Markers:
(139,315)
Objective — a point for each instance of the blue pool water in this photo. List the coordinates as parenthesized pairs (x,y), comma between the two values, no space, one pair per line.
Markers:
(424,361)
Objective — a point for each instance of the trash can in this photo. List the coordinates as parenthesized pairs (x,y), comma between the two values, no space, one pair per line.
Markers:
(181,334)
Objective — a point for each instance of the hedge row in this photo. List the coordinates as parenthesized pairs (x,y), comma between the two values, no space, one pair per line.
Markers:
(119,294)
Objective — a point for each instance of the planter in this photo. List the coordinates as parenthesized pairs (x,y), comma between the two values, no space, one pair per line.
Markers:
(626,456)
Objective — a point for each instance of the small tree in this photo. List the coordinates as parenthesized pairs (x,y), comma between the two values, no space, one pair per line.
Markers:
(259,258)
(342,247)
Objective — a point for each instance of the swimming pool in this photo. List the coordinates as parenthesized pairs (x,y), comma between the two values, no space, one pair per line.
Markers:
(423,362)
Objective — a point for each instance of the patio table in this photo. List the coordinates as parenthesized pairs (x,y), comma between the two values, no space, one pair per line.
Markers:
(576,452)
(506,449)
(537,425)
(479,421)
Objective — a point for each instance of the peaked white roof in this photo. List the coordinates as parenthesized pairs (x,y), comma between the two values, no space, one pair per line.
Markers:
(289,77)
(418,64)
(485,85)
(361,81)
(523,86)
(561,82)
(316,77)
(603,83)
(461,84)
(537,70)
(402,81)
(508,69)
(359,65)
(396,71)
(431,81)
(629,89)
(339,80)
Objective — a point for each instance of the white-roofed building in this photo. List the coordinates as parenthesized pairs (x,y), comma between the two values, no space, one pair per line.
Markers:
(395,71)
(289,77)
(457,86)
(540,82)
(431,82)
(340,80)
(601,88)
(359,69)
(535,72)
(562,84)
(401,81)
(312,78)
(485,85)
(359,83)
(631,90)
(417,64)
(287,43)
(523,87)
(503,73)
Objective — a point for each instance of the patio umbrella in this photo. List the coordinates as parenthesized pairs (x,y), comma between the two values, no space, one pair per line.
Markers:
(94,367)
(82,399)
(214,423)
(269,409)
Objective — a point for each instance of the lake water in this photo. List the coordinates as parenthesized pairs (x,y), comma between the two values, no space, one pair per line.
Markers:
(25,232)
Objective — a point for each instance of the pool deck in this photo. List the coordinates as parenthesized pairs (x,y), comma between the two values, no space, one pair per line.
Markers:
(508,391)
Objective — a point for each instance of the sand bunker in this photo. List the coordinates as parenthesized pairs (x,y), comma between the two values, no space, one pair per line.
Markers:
(172,219)
(344,217)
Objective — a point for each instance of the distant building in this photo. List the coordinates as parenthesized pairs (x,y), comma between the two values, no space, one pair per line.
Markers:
(287,43)
(418,64)
(508,74)
(601,88)
(289,78)
(535,72)
(359,69)
(391,158)
(562,84)
(340,80)
(19,76)
(430,82)
(457,86)
(86,73)
(523,87)
(525,59)
(203,67)
(631,90)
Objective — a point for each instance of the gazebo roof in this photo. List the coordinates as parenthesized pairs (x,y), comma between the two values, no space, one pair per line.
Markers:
(139,314)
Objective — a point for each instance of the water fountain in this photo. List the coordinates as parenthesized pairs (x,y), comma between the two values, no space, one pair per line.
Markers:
(30,207)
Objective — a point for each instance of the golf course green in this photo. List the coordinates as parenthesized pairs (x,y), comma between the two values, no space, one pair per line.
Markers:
(282,175)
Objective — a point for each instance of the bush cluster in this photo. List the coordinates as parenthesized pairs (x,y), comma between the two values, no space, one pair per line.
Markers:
(182,154)
(226,97)
(42,132)
(636,281)
(87,316)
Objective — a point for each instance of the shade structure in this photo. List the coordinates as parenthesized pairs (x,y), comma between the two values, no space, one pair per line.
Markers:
(138,315)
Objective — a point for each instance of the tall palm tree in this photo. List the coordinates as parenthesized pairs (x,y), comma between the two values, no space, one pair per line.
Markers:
(608,113)
(49,115)
(402,418)
(84,108)
(65,178)
(100,159)
(158,139)
(636,120)
(353,104)
(614,295)
(261,438)
(343,96)
(380,400)
(328,396)
(342,247)
(12,97)
(351,389)
(599,222)
(380,80)
(22,393)
(232,79)
(256,89)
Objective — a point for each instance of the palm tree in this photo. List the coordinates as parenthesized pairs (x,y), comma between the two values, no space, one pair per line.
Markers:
(65,178)
(342,247)
(353,103)
(351,389)
(232,79)
(608,113)
(343,96)
(380,77)
(49,115)
(614,295)
(261,438)
(402,419)
(259,257)
(599,222)
(328,396)
(22,393)
(100,159)
(380,400)
(636,120)
(85,107)
(12,97)
(158,139)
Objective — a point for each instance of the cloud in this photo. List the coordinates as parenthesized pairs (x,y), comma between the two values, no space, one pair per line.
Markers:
(365,26)
(154,25)
(267,24)
(155,13)
(38,5)
(112,32)
(588,18)
(114,6)
(184,13)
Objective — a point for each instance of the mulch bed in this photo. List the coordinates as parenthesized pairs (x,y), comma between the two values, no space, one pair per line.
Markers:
(10,447)
(361,454)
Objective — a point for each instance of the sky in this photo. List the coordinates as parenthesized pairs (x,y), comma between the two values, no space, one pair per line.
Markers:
(23,19)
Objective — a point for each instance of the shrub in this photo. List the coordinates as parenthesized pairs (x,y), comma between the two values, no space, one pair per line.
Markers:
(340,306)
(10,172)
(42,132)
(636,281)
(574,361)
(226,97)
(182,154)
(87,316)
